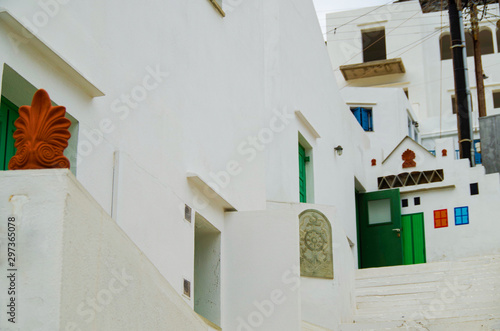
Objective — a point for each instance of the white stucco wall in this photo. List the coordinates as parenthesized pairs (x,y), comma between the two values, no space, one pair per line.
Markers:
(76,269)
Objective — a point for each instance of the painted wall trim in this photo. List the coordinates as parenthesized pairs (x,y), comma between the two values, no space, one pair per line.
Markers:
(51,55)
(207,189)
(350,103)
(307,124)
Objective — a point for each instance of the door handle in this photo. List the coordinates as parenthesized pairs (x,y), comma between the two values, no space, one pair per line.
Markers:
(396,230)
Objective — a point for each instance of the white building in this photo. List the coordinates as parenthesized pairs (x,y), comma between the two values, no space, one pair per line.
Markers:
(398,45)
(214,163)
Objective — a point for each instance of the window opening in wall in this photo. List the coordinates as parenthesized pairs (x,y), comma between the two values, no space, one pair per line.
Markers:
(374,48)
(445,46)
(16,92)
(486,41)
(461,215)
(441,218)
(404,203)
(496,99)
(364,117)
(454,104)
(474,189)
(416,201)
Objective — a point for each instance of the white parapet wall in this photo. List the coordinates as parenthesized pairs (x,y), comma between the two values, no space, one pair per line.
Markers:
(74,268)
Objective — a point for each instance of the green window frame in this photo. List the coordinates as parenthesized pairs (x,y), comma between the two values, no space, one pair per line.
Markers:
(8,115)
(302,174)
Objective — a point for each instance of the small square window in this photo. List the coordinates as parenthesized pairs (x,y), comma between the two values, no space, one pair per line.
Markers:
(461,215)
(440,218)
(474,189)
(404,203)
(496,99)
(416,201)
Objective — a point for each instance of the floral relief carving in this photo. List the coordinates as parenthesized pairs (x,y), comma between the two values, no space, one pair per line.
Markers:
(316,257)
(41,136)
(409,159)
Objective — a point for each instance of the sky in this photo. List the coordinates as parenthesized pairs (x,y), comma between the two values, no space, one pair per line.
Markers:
(327,6)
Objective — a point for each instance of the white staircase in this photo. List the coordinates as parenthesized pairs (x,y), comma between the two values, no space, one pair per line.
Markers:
(456,296)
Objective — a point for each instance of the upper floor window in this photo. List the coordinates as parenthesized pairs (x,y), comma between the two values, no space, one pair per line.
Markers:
(486,41)
(364,117)
(496,99)
(374,45)
(445,44)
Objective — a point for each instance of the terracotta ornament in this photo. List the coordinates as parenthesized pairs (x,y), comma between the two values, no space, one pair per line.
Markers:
(408,157)
(444,152)
(374,162)
(41,136)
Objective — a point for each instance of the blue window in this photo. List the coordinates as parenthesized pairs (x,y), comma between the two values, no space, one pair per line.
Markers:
(477,155)
(364,117)
(461,215)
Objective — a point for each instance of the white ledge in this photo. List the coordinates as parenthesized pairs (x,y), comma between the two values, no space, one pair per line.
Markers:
(23,33)
(307,124)
(209,191)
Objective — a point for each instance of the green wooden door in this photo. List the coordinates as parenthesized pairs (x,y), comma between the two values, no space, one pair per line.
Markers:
(413,238)
(8,115)
(379,227)
(302,174)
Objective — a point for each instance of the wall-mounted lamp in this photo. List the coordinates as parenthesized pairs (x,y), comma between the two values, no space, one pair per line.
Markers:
(339,150)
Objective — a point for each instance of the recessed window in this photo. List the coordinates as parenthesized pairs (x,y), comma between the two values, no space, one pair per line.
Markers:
(364,117)
(416,201)
(461,215)
(404,203)
(486,41)
(187,288)
(496,99)
(445,46)
(454,104)
(474,189)
(374,45)
(440,218)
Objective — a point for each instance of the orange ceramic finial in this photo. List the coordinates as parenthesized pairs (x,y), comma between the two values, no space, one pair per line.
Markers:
(408,157)
(41,136)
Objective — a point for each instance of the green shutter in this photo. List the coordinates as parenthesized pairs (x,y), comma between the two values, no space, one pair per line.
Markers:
(302,173)
(3,133)
(8,115)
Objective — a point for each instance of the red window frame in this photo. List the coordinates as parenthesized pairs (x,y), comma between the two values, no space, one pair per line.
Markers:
(441,218)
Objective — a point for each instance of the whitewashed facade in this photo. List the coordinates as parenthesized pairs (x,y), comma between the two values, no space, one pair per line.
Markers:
(183,198)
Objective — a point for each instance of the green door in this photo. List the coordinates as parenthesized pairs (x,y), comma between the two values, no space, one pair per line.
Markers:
(379,227)
(302,173)
(8,115)
(413,238)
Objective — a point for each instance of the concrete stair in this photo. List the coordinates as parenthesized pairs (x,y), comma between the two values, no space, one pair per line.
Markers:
(453,296)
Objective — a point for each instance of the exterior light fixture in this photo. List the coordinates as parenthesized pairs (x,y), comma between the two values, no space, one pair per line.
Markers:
(339,150)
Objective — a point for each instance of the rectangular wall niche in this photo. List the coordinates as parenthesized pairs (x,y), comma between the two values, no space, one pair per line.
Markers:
(410,179)
(207,251)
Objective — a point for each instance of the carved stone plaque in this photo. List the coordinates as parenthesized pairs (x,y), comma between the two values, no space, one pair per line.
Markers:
(316,257)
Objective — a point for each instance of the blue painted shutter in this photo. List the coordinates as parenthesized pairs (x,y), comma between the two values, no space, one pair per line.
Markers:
(477,156)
